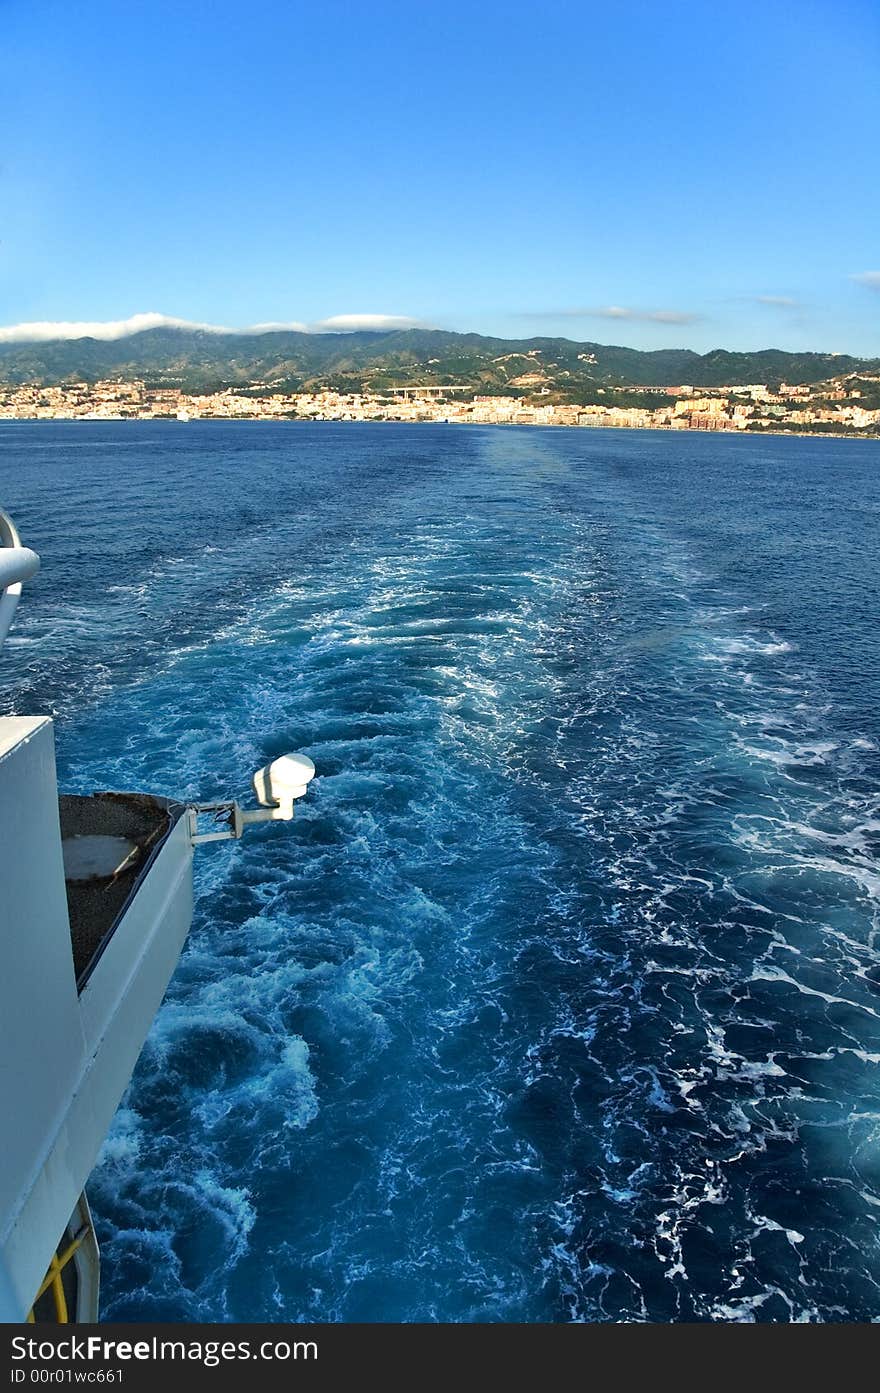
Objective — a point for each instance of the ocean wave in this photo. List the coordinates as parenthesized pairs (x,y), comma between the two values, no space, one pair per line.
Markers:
(558,1000)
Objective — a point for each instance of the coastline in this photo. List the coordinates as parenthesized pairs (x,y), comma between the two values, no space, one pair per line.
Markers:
(442,421)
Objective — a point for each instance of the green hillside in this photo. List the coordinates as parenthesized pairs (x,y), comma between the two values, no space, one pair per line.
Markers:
(199,361)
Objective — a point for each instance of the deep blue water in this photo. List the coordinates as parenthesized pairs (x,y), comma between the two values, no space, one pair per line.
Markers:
(559,1000)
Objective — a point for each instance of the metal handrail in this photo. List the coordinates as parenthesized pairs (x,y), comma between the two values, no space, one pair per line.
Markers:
(17,564)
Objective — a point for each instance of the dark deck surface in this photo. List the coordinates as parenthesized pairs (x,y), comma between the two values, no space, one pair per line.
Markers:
(95,905)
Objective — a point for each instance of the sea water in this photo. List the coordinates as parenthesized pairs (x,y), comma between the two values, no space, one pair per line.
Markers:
(559,1000)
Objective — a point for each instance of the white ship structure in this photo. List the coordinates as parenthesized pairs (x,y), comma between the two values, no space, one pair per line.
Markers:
(96,900)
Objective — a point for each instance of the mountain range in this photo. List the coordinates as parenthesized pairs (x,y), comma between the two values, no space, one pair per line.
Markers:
(375,360)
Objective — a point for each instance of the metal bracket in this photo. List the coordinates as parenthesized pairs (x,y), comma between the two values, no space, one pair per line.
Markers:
(235,817)
(230,813)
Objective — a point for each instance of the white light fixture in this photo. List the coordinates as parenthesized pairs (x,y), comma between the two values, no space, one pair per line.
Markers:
(279,784)
(277,787)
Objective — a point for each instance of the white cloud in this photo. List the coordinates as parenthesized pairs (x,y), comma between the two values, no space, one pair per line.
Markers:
(348,323)
(782,302)
(869,278)
(621,312)
(291,326)
(42,331)
(645,316)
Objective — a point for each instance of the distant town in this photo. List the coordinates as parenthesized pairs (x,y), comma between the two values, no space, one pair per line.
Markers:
(847,405)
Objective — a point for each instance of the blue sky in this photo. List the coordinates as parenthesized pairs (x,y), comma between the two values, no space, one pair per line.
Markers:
(654,174)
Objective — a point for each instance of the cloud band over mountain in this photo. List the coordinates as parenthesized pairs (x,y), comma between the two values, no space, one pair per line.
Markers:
(43,331)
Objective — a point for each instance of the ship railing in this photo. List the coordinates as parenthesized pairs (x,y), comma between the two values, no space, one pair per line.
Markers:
(17,564)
